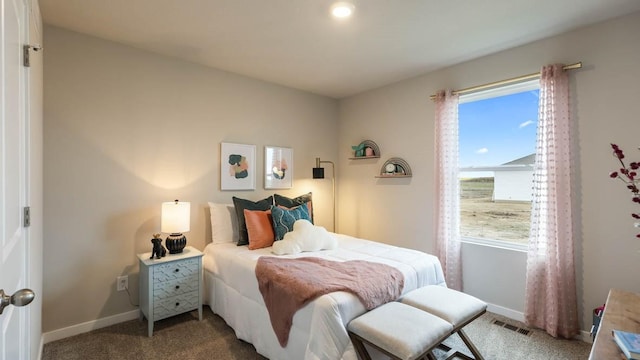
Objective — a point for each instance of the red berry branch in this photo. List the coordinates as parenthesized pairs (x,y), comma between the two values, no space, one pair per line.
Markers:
(629,176)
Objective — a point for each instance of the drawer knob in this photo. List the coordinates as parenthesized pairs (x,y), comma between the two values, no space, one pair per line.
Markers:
(177,287)
(177,270)
(177,304)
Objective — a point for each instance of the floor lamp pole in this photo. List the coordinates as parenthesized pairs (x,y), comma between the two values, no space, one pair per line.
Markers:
(333,183)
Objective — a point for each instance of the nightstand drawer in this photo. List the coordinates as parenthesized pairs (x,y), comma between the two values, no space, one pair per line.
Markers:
(165,289)
(176,270)
(175,305)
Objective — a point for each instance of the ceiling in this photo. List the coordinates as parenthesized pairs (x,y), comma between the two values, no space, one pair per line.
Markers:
(297,44)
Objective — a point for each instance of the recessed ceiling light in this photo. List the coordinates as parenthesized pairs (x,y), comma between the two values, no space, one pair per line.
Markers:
(342,9)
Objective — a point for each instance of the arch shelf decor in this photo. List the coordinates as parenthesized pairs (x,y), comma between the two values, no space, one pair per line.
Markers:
(360,150)
(395,167)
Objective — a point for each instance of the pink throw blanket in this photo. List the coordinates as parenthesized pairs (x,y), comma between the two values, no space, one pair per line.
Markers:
(289,284)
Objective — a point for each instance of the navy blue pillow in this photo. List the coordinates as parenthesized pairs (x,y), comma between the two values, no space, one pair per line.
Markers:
(283,219)
(240,205)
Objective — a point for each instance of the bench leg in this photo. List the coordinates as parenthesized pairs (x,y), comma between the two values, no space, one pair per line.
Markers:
(453,353)
(470,345)
(361,351)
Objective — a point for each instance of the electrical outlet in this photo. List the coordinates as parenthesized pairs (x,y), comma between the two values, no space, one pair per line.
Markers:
(122,283)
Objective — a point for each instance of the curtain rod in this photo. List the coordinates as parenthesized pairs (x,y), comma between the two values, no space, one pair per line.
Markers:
(577,65)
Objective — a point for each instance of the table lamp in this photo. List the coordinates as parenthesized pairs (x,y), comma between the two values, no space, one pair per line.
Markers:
(176,219)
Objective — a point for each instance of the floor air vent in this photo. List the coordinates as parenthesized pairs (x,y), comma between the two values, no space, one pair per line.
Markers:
(511,327)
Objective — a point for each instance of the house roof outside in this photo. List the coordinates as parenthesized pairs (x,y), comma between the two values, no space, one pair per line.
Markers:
(525,160)
(524,163)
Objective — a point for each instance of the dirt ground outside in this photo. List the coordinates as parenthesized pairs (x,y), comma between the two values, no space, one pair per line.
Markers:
(481,217)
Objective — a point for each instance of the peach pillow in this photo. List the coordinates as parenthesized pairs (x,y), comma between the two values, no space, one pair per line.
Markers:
(259,228)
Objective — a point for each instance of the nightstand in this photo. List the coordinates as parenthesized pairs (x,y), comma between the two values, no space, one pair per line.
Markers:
(170,285)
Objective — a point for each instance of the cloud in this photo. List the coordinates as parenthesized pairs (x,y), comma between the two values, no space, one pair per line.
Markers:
(526,123)
(482,151)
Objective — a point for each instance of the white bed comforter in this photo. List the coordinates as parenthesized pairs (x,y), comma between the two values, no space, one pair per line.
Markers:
(319,329)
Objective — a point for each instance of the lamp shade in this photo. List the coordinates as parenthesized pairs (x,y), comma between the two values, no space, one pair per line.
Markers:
(176,217)
(318,173)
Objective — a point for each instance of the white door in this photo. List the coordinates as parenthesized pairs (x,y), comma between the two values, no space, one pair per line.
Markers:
(14,339)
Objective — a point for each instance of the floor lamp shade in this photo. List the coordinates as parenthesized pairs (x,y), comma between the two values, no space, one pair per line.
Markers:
(176,219)
(318,173)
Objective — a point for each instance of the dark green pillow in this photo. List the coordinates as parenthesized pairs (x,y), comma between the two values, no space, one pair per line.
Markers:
(283,219)
(297,201)
(240,205)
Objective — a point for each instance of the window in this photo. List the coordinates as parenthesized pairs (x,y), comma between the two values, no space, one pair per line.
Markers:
(497,139)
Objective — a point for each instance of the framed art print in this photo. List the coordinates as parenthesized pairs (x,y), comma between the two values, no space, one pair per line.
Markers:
(237,167)
(278,167)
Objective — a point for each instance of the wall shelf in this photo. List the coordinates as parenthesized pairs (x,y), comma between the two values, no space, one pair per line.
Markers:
(395,168)
(367,144)
(364,157)
(392,176)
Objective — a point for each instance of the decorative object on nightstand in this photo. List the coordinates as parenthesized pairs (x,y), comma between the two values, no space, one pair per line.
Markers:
(170,286)
(176,219)
(318,173)
(365,150)
(158,250)
(395,167)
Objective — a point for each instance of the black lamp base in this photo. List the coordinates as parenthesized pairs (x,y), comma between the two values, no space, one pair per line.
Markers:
(175,243)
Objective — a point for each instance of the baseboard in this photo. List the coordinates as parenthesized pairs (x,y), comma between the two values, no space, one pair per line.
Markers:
(519,316)
(500,310)
(585,336)
(41,347)
(88,326)
(134,314)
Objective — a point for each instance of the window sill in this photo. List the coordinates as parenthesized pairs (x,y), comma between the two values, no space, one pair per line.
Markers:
(495,244)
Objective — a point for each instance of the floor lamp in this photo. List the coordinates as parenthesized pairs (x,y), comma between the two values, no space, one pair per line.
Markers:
(318,173)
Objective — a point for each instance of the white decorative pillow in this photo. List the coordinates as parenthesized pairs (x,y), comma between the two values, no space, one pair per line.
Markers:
(304,237)
(224,223)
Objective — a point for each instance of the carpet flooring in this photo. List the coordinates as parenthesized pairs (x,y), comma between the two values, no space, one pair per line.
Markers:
(184,337)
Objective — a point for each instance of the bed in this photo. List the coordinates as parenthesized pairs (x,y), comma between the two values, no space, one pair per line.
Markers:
(318,331)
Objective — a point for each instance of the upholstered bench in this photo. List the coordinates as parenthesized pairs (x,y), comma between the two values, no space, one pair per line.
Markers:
(398,330)
(457,308)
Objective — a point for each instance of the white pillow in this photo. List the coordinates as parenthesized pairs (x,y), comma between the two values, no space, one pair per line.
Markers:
(224,223)
(304,237)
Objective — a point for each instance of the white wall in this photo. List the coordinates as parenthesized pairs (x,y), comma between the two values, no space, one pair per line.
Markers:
(399,118)
(125,130)
(505,289)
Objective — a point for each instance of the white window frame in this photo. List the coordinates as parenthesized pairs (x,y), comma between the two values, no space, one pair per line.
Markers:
(487,94)
(500,91)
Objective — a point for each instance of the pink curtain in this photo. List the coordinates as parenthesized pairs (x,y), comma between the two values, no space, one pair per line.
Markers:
(448,188)
(550,300)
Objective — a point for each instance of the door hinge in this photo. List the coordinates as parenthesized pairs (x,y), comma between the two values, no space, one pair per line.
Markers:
(27,216)
(25,53)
